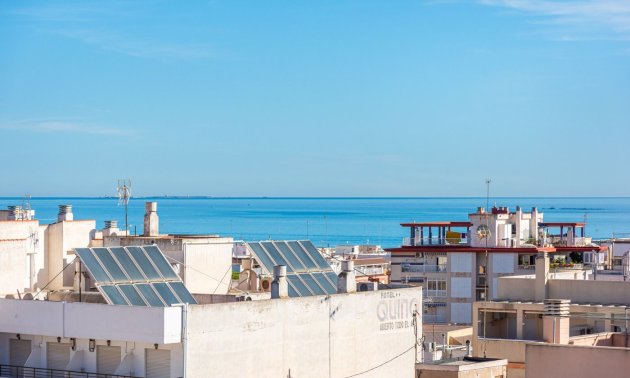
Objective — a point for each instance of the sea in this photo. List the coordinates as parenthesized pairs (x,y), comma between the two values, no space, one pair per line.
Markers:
(327,221)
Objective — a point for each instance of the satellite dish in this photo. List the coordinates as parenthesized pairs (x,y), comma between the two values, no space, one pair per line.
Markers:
(483,232)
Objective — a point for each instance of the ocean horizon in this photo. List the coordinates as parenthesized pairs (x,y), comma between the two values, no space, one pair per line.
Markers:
(327,221)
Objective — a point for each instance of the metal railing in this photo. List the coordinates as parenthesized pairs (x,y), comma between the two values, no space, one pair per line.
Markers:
(433,241)
(31,372)
(424,268)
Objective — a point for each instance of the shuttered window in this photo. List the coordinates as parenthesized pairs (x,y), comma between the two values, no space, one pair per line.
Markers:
(57,356)
(107,359)
(19,350)
(157,363)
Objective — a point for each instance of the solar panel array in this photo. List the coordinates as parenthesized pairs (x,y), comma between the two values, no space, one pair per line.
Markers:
(308,273)
(134,276)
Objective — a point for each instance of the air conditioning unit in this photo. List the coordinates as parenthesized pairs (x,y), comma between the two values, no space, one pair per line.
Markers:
(265,284)
(367,286)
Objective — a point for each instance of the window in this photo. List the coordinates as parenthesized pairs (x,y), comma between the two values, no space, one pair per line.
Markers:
(435,288)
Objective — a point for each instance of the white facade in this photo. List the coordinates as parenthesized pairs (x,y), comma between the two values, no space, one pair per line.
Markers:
(337,335)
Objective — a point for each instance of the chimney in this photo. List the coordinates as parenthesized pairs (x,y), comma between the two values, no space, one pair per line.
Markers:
(542,276)
(65,213)
(346,282)
(14,212)
(111,228)
(151,220)
(556,321)
(279,285)
(467,348)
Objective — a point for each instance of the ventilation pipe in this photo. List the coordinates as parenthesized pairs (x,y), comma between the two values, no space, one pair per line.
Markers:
(279,286)
(346,282)
(65,213)
(151,220)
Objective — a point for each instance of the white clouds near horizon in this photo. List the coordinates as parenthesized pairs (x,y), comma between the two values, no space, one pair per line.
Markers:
(576,20)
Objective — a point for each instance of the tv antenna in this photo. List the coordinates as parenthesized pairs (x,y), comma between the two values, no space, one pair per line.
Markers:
(124,194)
(488,181)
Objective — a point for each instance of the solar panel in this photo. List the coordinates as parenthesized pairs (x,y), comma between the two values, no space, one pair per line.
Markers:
(276,255)
(300,287)
(165,292)
(133,297)
(150,295)
(262,257)
(143,262)
(110,265)
(134,276)
(312,284)
(93,266)
(181,291)
(314,254)
(308,273)
(160,262)
(321,279)
(298,266)
(127,263)
(112,294)
(303,255)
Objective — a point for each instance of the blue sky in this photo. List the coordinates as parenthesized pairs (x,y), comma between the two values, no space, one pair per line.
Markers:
(329,98)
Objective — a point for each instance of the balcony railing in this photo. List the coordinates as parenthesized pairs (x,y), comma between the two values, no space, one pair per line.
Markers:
(370,271)
(434,293)
(433,241)
(423,268)
(30,372)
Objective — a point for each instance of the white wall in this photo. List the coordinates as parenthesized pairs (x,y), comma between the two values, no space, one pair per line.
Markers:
(318,336)
(208,267)
(89,320)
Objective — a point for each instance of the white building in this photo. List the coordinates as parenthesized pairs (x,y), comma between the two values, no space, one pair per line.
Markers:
(373,333)
(460,262)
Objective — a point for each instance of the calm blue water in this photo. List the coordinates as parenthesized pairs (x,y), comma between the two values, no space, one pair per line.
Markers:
(327,221)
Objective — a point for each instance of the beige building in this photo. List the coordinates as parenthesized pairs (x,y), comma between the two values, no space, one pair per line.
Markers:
(555,325)
(465,367)
(33,255)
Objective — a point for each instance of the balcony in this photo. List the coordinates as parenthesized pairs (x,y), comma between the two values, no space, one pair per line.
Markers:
(422,268)
(417,241)
(30,372)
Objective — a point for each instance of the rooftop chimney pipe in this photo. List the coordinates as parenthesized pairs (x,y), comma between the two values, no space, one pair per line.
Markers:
(65,213)
(346,281)
(151,220)
(279,285)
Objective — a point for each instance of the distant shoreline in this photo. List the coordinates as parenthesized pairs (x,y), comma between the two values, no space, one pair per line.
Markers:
(301,197)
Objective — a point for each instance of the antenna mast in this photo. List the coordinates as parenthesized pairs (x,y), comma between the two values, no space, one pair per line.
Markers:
(488,193)
(124,194)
